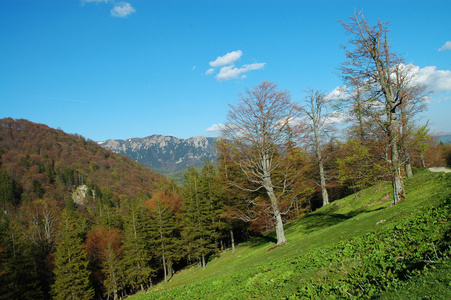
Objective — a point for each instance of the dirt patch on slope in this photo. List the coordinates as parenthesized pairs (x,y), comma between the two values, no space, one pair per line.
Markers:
(441,169)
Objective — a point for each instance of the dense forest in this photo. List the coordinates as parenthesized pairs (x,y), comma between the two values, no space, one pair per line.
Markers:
(79,222)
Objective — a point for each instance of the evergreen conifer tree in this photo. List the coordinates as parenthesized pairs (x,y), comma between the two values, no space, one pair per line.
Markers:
(163,239)
(112,271)
(198,234)
(210,192)
(71,263)
(136,253)
(20,271)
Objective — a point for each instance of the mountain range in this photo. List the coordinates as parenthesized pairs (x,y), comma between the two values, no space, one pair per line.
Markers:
(165,154)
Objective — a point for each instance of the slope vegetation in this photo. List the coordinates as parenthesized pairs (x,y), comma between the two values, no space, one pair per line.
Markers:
(360,246)
(41,162)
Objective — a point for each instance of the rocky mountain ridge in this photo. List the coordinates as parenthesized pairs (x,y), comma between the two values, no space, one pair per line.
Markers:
(165,154)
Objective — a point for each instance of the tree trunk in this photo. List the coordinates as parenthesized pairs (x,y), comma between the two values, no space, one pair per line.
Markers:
(203,261)
(164,270)
(232,240)
(276,212)
(422,161)
(320,164)
(170,270)
(408,167)
(322,176)
(269,187)
(398,182)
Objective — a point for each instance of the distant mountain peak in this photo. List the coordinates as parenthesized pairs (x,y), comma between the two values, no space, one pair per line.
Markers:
(165,154)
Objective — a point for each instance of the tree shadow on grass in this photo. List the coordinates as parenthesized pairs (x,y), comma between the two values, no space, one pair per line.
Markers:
(316,221)
(262,239)
(319,220)
(309,223)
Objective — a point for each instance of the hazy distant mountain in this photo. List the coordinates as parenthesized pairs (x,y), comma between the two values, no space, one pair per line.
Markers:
(165,154)
(444,137)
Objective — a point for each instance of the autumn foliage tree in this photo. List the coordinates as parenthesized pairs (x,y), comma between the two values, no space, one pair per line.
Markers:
(258,128)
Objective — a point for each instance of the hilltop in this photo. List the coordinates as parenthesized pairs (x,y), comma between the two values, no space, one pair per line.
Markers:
(359,246)
(46,162)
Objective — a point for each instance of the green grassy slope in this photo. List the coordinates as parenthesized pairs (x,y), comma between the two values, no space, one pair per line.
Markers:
(359,246)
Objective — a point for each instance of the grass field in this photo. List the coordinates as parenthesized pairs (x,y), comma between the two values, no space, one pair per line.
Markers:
(357,247)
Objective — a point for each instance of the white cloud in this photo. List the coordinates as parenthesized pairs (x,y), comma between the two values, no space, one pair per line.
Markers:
(230,72)
(435,80)
(228,69)
(215,128)
(122,9)
(338,93)
(447,46)
(336,117)
(227,59)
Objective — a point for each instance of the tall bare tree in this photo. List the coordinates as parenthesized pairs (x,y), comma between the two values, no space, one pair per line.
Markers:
(315,111)
(371,60)
(258,127)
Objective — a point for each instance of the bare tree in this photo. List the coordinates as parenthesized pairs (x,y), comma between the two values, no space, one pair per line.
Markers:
(315,111)
(414,97)
(258,128)
(371,61)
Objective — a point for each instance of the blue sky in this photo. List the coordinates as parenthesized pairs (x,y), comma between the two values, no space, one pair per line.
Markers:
(121,69)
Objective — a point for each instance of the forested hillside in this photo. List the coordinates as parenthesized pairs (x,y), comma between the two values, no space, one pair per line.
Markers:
(68,204)
(44,162)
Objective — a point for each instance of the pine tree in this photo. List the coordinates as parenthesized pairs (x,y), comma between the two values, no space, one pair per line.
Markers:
(163,239)
(198,231)
(210,192)
(20,269)
(190,212)
(71,263)
(136,253)
(112,271)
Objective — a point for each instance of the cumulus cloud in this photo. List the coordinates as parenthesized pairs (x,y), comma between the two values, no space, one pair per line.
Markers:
(447,46)
(216,128)
(231,72)
(122,9)
(435,80)
(336,117)
(338,93)
(227,59)
(228,70)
